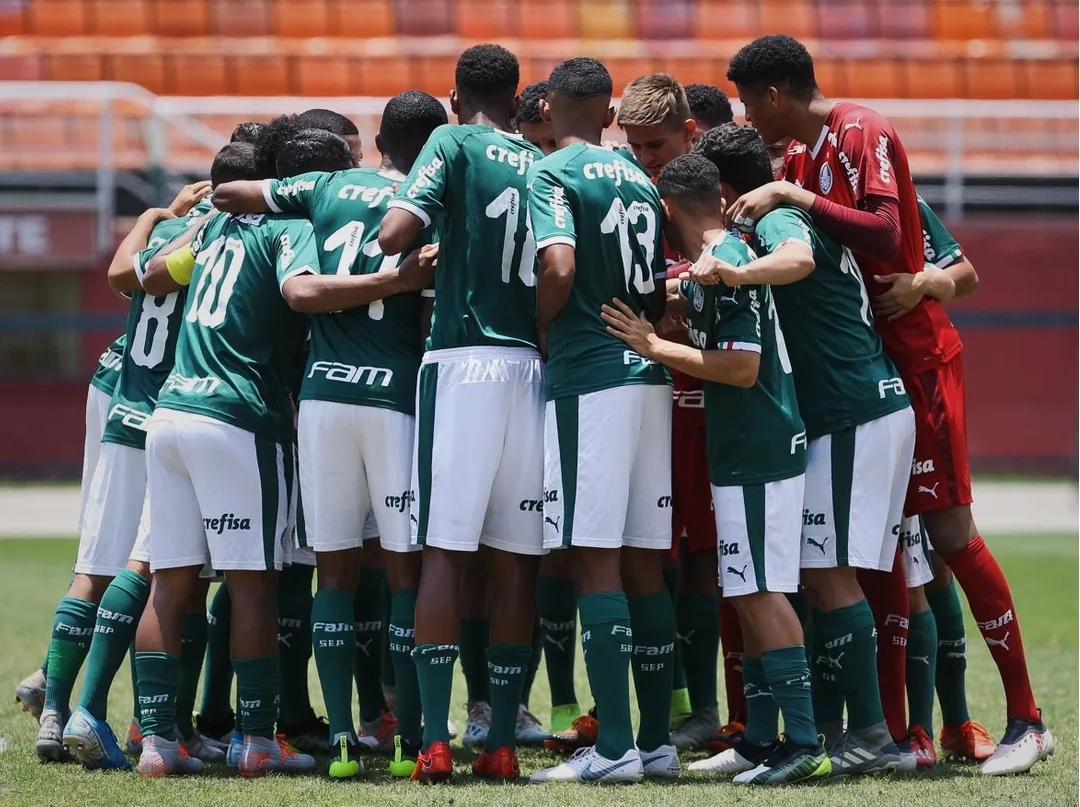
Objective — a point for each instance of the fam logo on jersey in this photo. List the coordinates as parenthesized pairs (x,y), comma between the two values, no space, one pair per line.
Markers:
(226,521)
(825,179)
(699,297)
(132,418)
(352,374)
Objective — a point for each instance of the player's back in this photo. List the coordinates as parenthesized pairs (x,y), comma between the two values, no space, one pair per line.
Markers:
(469,182)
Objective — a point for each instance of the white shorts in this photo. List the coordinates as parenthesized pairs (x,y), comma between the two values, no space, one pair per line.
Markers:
(97,412)
(478,472)
(141,551)
(113,508)
(856,482)
(607,469)
(916,545)
(217,493)
(355,463)
(758,535)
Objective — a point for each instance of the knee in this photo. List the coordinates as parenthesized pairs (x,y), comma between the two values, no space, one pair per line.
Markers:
(951,529)
(699,574)
(831,589)
(643,572)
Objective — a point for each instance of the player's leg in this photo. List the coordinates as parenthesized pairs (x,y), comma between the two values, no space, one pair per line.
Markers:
(216,718)
(476,592)
(680,707)
(921,643)
(556,604)
(193,640)
(377,724)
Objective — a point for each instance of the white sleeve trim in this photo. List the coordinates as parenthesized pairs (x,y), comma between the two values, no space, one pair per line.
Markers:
(268,195)
(419,212)
(949,258)
(299,270)
(552,240)
(427,293)
(140,270)
(750,347)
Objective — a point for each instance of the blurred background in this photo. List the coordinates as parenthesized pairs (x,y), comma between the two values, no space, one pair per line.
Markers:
(108,106)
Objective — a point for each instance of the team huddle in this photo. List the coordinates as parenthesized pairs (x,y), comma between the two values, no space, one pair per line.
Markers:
(694,393)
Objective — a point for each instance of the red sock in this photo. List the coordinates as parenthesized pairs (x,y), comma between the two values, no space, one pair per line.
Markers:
(731,643)
(888,597)
(991,603)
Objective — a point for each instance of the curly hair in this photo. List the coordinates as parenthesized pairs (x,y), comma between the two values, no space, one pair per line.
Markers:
(739,154)
(328,121)
(709,104)
(580,78)
(246,132)
(529,103)
(778,61)
(490,72)
(408,120)
(272,136)
(313,150)
(235,161)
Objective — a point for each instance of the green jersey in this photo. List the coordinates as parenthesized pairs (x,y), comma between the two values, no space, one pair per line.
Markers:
(601,203)
(469,181)
(153,324)
(107,372)
(842,375)
(754,434)
(369,355)
(939,246)
(239,338)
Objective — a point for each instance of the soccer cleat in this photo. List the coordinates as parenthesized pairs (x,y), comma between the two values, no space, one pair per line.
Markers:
(528,731)
(346,764)
(865,751)
(437,765)
(310,737)
(378,734)
(161,757)
(236,746)
(451,729)
(261,756)
(586,765)
(581,734)
(50,737)
(1025,743)
(502,763)
(476,729)
(30,693)
(403,763)
(203,748)
(93,744)
(919,743)
(696,730)
(133,745)
(680,707)
(787,764)
(389,694)
(562,717)
(968,740)
(726,737)
(741,757)
(663,763)
(218,729)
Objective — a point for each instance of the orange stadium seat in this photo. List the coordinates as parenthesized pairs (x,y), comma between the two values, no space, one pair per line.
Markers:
(385,75)
(873,78)
(794,17)
(301,19)
(425,17)
(322,75)
(261,75)
(434,74)
(930,78)
(547,19)
(845,19)
(904,19)
(735,20)
(12,19)
(489,20)
(363,18)
(145,69)
(957,19)
(831,77)
(990,78)
(1055,79)
(206,75)
(56,18)
(664,19)
(120,17)
(181,17)
(625,70)
(1030,20)
(1066,21)
(240,18)
(21,68)
(74,67)
(606,19)
(690,71)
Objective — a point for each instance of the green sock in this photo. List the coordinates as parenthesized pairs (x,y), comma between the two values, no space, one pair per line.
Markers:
(536,650)
(850,655)
(921,662)
(294,643)
(332,632)
(121,606)
(607,642)
(217,667)
(193,632)
(73,628)
(698,617)
(402,619)
(507,667)
(762,710)
(369,617)
(652,620)
(157,674)
(386,675)
(136,710)
(671,582)
(556,605)
(258,689)
(435,679)
(951,671)
(788,677)
(474,643)
(826,693)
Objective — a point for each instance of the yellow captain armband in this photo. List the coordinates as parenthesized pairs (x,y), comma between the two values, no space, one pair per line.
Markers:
(180,265)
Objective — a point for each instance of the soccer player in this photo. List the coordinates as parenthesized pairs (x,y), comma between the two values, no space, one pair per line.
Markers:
(607,477)
(330,121)
(528,120)
(860,429)
(709,107)
(359,383)
(478,469)
(856,185)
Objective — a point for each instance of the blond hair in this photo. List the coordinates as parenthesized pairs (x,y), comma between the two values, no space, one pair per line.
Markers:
(653,100)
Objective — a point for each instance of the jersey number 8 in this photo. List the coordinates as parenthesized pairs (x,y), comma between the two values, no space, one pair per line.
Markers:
(156,310)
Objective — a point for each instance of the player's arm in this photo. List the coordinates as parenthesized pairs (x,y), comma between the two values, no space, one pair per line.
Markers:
(737,367)
(242,196)
(123,278)
(944,252)
(556,247)
(421,196)
(171,268)
(291,195)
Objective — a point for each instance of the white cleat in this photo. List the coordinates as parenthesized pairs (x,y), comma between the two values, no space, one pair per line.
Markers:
(528,730)
(697,730)
(726,763)
(1025,743)
(260,756)
(663,763)
(30,693)
(476,729)
(586,765)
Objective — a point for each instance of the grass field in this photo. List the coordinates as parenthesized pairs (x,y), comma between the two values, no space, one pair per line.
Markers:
(1042,569)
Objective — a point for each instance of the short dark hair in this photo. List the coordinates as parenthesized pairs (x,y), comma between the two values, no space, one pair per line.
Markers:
(690,179)
(408,119)
(328,120)
(488,72)
(739,154)
(580,78)
(709,104)
(247,132)
(313,150)
(774,61)
(529,103)
(234,162)
(272,136)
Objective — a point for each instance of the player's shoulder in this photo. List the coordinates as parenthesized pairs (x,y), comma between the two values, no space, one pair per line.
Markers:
(850,118)
(731,248)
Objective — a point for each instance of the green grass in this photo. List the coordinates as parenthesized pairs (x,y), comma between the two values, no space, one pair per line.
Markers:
(1042,569)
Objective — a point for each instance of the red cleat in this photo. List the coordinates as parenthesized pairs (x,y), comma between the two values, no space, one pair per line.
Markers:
(726,737)
(437,765)
(922,746)
(581,734)
(967,740)
(500,764)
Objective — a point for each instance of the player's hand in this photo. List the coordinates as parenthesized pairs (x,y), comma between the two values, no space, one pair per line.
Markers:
(189,195)
(156,214)
(904,292)
(750,208)
(632,328)
(429,256)
(614,145)
(417,271)
(710,270)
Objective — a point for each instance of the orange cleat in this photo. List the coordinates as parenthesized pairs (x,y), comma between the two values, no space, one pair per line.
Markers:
(581,734)
(967,740)
(726,737)
(434,766)
(922,746)
(499,764)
